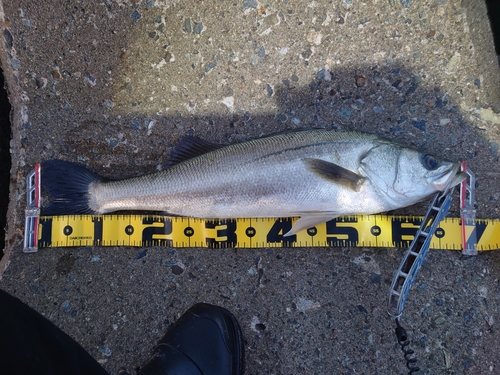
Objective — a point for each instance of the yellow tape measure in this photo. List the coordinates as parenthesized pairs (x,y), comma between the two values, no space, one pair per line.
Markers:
(156,230)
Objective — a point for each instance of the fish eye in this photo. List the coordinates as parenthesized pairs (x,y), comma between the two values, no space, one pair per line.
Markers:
(430,162)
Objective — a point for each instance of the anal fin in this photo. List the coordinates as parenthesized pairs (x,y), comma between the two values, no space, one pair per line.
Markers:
(306,222)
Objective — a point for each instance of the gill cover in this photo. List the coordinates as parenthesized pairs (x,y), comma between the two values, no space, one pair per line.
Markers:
(404,176)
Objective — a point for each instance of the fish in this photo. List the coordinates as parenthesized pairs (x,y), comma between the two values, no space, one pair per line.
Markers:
(316,175)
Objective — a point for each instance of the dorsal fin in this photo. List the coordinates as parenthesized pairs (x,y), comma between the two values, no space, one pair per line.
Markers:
(189,147)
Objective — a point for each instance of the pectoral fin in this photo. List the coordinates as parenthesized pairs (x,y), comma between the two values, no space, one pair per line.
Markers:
(306,222)
(335,173)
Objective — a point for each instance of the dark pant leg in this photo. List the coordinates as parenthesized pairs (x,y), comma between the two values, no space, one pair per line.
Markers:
(30,344)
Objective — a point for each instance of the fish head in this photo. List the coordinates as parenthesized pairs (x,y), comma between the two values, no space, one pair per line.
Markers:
(405,176)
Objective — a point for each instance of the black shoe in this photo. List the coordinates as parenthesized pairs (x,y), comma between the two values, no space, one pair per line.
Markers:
(206,340)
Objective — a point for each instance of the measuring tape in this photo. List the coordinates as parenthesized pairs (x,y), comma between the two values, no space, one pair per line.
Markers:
(158,230)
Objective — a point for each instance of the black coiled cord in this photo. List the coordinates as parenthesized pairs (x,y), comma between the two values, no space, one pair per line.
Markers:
(411,362)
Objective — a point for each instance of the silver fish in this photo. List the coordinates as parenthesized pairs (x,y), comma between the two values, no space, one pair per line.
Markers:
(316,175)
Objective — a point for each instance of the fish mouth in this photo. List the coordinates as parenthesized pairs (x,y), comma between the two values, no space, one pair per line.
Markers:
(449,177)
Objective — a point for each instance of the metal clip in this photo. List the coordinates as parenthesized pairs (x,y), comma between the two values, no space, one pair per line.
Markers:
(415,255)
(32,211)
(468,213)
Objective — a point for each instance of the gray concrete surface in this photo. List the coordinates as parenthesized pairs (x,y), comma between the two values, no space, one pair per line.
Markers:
(114,84)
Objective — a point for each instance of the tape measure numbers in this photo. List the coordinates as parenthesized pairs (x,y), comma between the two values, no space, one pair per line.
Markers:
(157,230)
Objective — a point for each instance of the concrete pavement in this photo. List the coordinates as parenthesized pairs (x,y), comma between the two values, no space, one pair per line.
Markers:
(114,84)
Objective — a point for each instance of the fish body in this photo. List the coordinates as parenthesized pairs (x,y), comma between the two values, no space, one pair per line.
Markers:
(315,174)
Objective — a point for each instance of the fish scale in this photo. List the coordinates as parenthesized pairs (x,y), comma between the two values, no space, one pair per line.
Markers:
(228,186)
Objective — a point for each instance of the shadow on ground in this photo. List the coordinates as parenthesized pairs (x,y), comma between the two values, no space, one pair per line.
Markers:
(388,101)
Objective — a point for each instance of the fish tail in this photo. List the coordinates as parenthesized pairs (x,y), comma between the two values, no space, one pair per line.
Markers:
(68,186)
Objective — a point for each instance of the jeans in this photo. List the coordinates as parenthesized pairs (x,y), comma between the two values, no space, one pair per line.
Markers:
(30,344)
